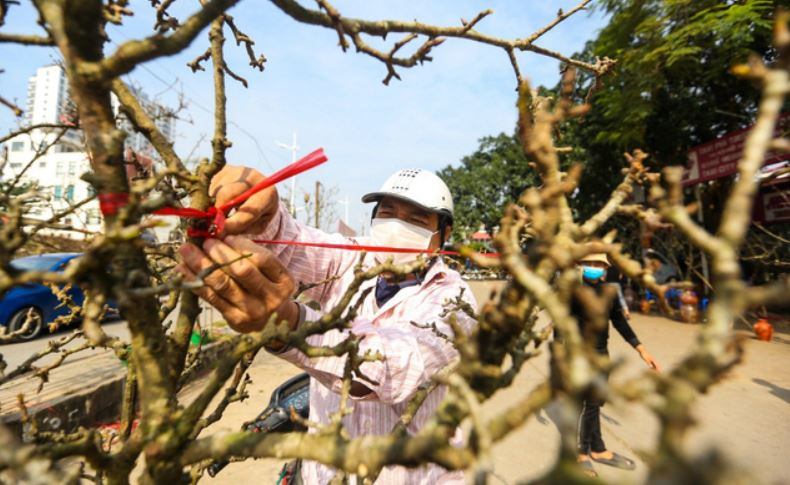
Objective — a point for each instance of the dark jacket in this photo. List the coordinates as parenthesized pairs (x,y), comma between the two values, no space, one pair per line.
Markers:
(616,316)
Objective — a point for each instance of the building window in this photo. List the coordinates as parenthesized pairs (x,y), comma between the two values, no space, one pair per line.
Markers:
(69,193)
(17,146)
(72,167)
(60,169)
(16,165)
(42,164)
(58,192)
(93,217)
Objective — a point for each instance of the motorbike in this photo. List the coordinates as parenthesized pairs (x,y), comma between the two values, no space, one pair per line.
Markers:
(293,393)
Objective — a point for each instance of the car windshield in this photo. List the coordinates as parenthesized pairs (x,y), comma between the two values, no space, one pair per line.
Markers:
(36,263)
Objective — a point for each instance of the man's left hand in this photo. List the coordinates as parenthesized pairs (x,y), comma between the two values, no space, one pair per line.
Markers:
(246,291)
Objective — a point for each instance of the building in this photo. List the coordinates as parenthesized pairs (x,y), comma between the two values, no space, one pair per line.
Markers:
(162,117)
(55,160)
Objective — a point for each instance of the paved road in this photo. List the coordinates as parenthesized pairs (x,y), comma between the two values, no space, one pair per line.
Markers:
(15,354)
(747,415)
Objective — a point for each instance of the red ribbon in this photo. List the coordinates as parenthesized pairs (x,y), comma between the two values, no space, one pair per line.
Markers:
(217,215)
(362,247)
(110,203)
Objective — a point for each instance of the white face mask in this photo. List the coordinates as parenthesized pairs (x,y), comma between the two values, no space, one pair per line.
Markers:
(399,234)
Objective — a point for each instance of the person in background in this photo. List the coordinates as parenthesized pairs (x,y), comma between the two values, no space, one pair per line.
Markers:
(591,447)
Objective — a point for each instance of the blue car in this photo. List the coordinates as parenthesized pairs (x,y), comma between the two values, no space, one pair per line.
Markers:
(20,300)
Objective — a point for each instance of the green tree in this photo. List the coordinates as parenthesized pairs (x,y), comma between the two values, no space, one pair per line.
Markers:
(671,88)
(495,174)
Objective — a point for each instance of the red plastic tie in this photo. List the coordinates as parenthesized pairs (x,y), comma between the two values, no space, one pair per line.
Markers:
(110,203)
(218,215)
(313,159)
(215,216)
(366,248)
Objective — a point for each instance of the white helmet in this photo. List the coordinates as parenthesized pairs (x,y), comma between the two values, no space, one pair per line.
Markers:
(419,187)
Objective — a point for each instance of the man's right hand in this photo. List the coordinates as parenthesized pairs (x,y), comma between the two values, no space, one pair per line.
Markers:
(254,215)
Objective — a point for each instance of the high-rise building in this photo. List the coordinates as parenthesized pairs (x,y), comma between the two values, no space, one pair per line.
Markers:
(47,95)
(54,160)
(48,100)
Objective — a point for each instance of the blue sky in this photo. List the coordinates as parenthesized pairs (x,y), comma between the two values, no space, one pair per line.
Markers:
(336,100)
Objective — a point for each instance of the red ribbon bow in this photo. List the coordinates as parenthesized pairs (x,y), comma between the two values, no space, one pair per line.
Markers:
(217,215)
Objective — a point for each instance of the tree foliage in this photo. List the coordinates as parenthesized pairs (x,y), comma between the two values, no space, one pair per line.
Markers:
(486,181)
(672,88)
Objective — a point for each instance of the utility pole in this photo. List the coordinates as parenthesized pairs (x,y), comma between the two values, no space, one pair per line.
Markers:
(317,204)
(293,148)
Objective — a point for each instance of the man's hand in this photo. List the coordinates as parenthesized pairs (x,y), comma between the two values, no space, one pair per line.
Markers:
(648,358)
(246,291)
(253,216)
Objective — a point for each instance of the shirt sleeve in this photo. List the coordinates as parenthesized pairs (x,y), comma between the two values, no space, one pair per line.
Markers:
(308,265)
(617,315)
(411,355)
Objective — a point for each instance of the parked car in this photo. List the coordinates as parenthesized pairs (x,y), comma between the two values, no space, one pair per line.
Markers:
(21,300)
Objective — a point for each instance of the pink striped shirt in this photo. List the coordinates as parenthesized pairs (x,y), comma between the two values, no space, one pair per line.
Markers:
(412,354)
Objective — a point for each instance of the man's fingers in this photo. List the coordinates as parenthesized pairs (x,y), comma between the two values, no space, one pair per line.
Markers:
(262,258)
(217,280)
(228,191)
(243,271)
(205,292)
(232,181)
(259,208)
(190,257)
(242,220)
(252,215)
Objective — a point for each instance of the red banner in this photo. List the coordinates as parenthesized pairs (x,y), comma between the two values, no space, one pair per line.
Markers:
(719,158)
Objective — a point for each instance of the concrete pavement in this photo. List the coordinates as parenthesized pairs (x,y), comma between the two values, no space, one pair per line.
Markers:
(16,353)
(84,391)
(746,415)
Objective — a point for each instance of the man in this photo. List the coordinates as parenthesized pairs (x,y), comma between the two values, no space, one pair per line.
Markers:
(414,209)
(591,445)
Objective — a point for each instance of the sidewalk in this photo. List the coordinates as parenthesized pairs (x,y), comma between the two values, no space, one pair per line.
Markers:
(747,414)
(82,392)
(85,390)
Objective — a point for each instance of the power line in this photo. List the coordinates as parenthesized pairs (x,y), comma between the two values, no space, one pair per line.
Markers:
(203,108)
(211,112)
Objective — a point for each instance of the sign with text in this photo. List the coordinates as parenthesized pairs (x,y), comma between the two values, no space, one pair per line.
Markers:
(719,158)
(773,204)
